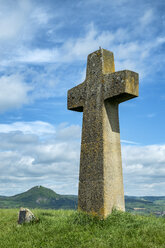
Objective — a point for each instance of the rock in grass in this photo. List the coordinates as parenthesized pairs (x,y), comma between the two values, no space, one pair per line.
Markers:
(25,216)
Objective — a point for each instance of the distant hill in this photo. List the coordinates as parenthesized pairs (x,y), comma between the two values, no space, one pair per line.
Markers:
(41,197)
(146,205)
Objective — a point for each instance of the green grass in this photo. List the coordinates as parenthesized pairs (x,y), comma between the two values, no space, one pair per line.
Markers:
(68,228)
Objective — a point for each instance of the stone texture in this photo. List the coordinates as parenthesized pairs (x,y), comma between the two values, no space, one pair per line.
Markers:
(25,216)
(100,179)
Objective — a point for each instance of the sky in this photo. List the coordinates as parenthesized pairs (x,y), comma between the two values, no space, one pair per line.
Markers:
(43,52)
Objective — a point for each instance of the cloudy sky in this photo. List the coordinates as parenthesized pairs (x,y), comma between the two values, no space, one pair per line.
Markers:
(43,50)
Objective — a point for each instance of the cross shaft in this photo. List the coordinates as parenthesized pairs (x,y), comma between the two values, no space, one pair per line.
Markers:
(100,179)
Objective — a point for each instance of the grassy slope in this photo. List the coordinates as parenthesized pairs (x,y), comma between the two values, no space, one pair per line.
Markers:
(63,228)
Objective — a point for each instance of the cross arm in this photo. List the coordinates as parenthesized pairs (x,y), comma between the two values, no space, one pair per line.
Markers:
(76,97)
(121,85)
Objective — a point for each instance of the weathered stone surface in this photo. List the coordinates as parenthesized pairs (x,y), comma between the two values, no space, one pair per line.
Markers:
(100,179)
(25,216)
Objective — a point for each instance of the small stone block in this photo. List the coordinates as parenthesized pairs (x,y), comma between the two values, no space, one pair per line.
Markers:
(25,216)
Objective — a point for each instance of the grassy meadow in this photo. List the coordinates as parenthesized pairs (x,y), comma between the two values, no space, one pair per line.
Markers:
(68,228)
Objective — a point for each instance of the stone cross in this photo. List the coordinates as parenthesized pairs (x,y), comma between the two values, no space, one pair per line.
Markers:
(98,97)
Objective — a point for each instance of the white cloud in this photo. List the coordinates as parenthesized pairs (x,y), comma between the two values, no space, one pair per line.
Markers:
(13,93)
(38,56)
(40,15)
(21,19)
(144,169)
(147,18)
(13,19)
(37,153)
(26,159)
(21,23)
(66,133)
(36,127)
(29,159)
(129,142)
(71,50)
(130,53)
(31,44)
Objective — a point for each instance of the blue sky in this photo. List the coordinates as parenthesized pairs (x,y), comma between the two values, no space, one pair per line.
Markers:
(43,51)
